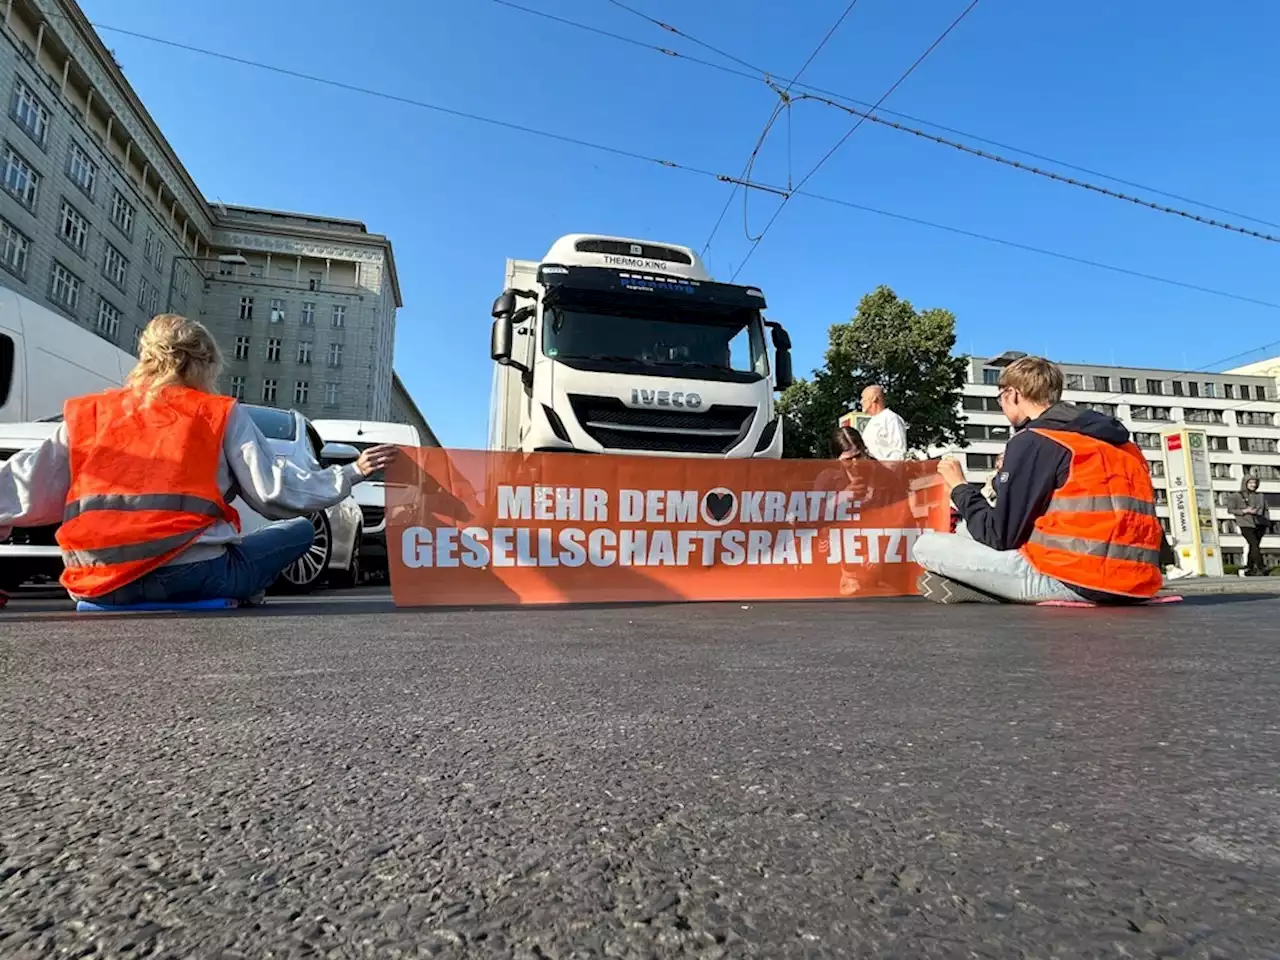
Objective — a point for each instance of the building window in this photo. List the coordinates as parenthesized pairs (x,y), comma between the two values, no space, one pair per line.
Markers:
(1253,418)
(108,322)
(184,283)
(987,404)
(1220,471)
(114,266)
(246,308)
(1193,388)
(339,316)
(300,391)
(273,350)
(1210,390)
(20,179)
(1156,468)
(331,394)
(980,461)
(1177,388)
(1155,387)
(242,348)
(1262,471)
(1128,385)
(226,269)
(1151,413)
(148,245)
(30,114)
(148,296)
(122,213)
(1102,384)
(64,287)
(237,388)
(269,390)
(1162,496)
(1202,416)
(158,260)
(82,171)
(1075,381)
(14,248)
(1222,497)
(1259,392)
(73,228)
(308,314)
(1147,441)
(991,376)
(304,352)
(1229,527)
(1257,445)
(1219,444)
(335,354)
(277,311)
(1229,391)
(1108,408)
(979,431)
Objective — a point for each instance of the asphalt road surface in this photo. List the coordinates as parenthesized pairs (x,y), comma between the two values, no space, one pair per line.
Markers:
(865,779)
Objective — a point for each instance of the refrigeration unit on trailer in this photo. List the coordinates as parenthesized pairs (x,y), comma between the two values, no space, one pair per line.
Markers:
(613,345)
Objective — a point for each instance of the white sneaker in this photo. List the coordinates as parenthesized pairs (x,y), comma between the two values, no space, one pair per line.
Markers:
(1177,573)
(1242,573)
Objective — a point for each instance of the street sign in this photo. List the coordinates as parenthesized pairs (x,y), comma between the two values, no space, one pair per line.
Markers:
(1193,529)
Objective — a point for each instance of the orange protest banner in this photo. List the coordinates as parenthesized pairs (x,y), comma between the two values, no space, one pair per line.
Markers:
(470,527)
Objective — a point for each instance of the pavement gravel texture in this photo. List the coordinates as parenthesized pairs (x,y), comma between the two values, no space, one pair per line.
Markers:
(860,779)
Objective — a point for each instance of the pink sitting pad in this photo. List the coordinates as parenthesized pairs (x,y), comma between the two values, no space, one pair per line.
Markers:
(1085,603)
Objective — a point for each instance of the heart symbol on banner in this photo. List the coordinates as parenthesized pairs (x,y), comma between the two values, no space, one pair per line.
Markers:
(719,506)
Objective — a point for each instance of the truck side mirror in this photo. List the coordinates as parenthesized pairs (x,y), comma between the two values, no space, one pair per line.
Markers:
(504,306)
(500,340)
(783,374)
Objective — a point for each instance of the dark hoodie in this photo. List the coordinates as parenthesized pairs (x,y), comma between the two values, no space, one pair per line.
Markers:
(1238,501)
(1034,467)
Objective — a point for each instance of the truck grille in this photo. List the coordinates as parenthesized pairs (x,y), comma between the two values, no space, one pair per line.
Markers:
(614,425)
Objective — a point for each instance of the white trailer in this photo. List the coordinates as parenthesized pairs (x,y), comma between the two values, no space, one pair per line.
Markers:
(614,345)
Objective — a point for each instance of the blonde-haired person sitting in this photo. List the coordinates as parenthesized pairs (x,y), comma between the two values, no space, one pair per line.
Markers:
(141,479)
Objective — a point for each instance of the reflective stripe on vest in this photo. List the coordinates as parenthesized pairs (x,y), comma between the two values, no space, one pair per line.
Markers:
(175,502)
(128,553)
(1097,548)
(1102,504)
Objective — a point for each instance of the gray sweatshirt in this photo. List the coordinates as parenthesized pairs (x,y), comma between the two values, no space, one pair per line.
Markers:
(34,485)
(1237,502)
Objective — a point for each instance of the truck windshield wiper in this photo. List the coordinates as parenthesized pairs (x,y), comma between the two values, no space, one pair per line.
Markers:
(616,358)
(699,364)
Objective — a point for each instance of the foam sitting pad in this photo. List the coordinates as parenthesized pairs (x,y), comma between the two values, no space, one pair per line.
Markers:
(87,606)
(1085,603)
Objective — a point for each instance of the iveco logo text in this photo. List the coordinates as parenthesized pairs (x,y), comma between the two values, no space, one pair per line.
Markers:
(635,262)
(665,398)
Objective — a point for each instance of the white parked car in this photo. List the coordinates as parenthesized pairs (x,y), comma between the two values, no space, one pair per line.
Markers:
(33,552)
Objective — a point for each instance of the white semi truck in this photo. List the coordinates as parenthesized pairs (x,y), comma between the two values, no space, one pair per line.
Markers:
(613,345)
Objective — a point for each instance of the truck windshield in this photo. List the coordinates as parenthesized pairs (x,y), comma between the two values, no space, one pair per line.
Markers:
(671,339)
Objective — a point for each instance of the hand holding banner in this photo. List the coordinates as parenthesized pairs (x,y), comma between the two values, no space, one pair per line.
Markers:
(471,527)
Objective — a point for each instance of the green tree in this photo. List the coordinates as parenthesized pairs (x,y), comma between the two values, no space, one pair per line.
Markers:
(889,342)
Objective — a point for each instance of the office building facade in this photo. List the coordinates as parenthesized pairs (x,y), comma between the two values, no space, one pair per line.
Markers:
(100,221)
(1238,410)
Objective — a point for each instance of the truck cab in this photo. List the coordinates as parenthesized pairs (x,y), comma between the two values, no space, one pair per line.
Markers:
(613,345)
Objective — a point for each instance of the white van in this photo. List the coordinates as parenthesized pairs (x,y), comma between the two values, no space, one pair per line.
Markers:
(46,358)
(372,494)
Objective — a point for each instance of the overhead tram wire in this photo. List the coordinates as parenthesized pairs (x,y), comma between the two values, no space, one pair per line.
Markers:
(669,164)
(852,130)
(779,106)
(759,74)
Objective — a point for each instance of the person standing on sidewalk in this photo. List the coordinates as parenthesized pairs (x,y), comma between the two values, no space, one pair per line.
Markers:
(141,478)
(886,432)
(1253,516)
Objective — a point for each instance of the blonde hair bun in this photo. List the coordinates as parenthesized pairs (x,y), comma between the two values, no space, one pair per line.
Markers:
(174,350)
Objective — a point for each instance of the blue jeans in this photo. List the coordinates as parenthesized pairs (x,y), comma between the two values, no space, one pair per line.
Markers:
(243,572)
(1006,574)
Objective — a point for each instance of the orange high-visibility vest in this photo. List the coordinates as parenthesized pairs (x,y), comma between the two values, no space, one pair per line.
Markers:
(144,483)
(1100,531)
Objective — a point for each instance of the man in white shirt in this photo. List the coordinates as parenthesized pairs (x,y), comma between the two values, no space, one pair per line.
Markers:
(886,432)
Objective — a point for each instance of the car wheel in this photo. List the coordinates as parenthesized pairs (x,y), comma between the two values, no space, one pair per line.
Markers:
(308,570)
(351,576)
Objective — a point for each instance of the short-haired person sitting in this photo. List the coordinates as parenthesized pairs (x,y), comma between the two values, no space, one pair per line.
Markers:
(1074,517)
(141,479)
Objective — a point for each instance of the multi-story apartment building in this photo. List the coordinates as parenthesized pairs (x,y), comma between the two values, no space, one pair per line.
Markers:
(1239,411)
(100,220)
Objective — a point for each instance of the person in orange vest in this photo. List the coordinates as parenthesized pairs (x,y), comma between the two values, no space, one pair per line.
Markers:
(141,479)
(1074,516)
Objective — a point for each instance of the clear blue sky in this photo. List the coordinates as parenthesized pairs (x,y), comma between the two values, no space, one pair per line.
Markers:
(1166,93)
